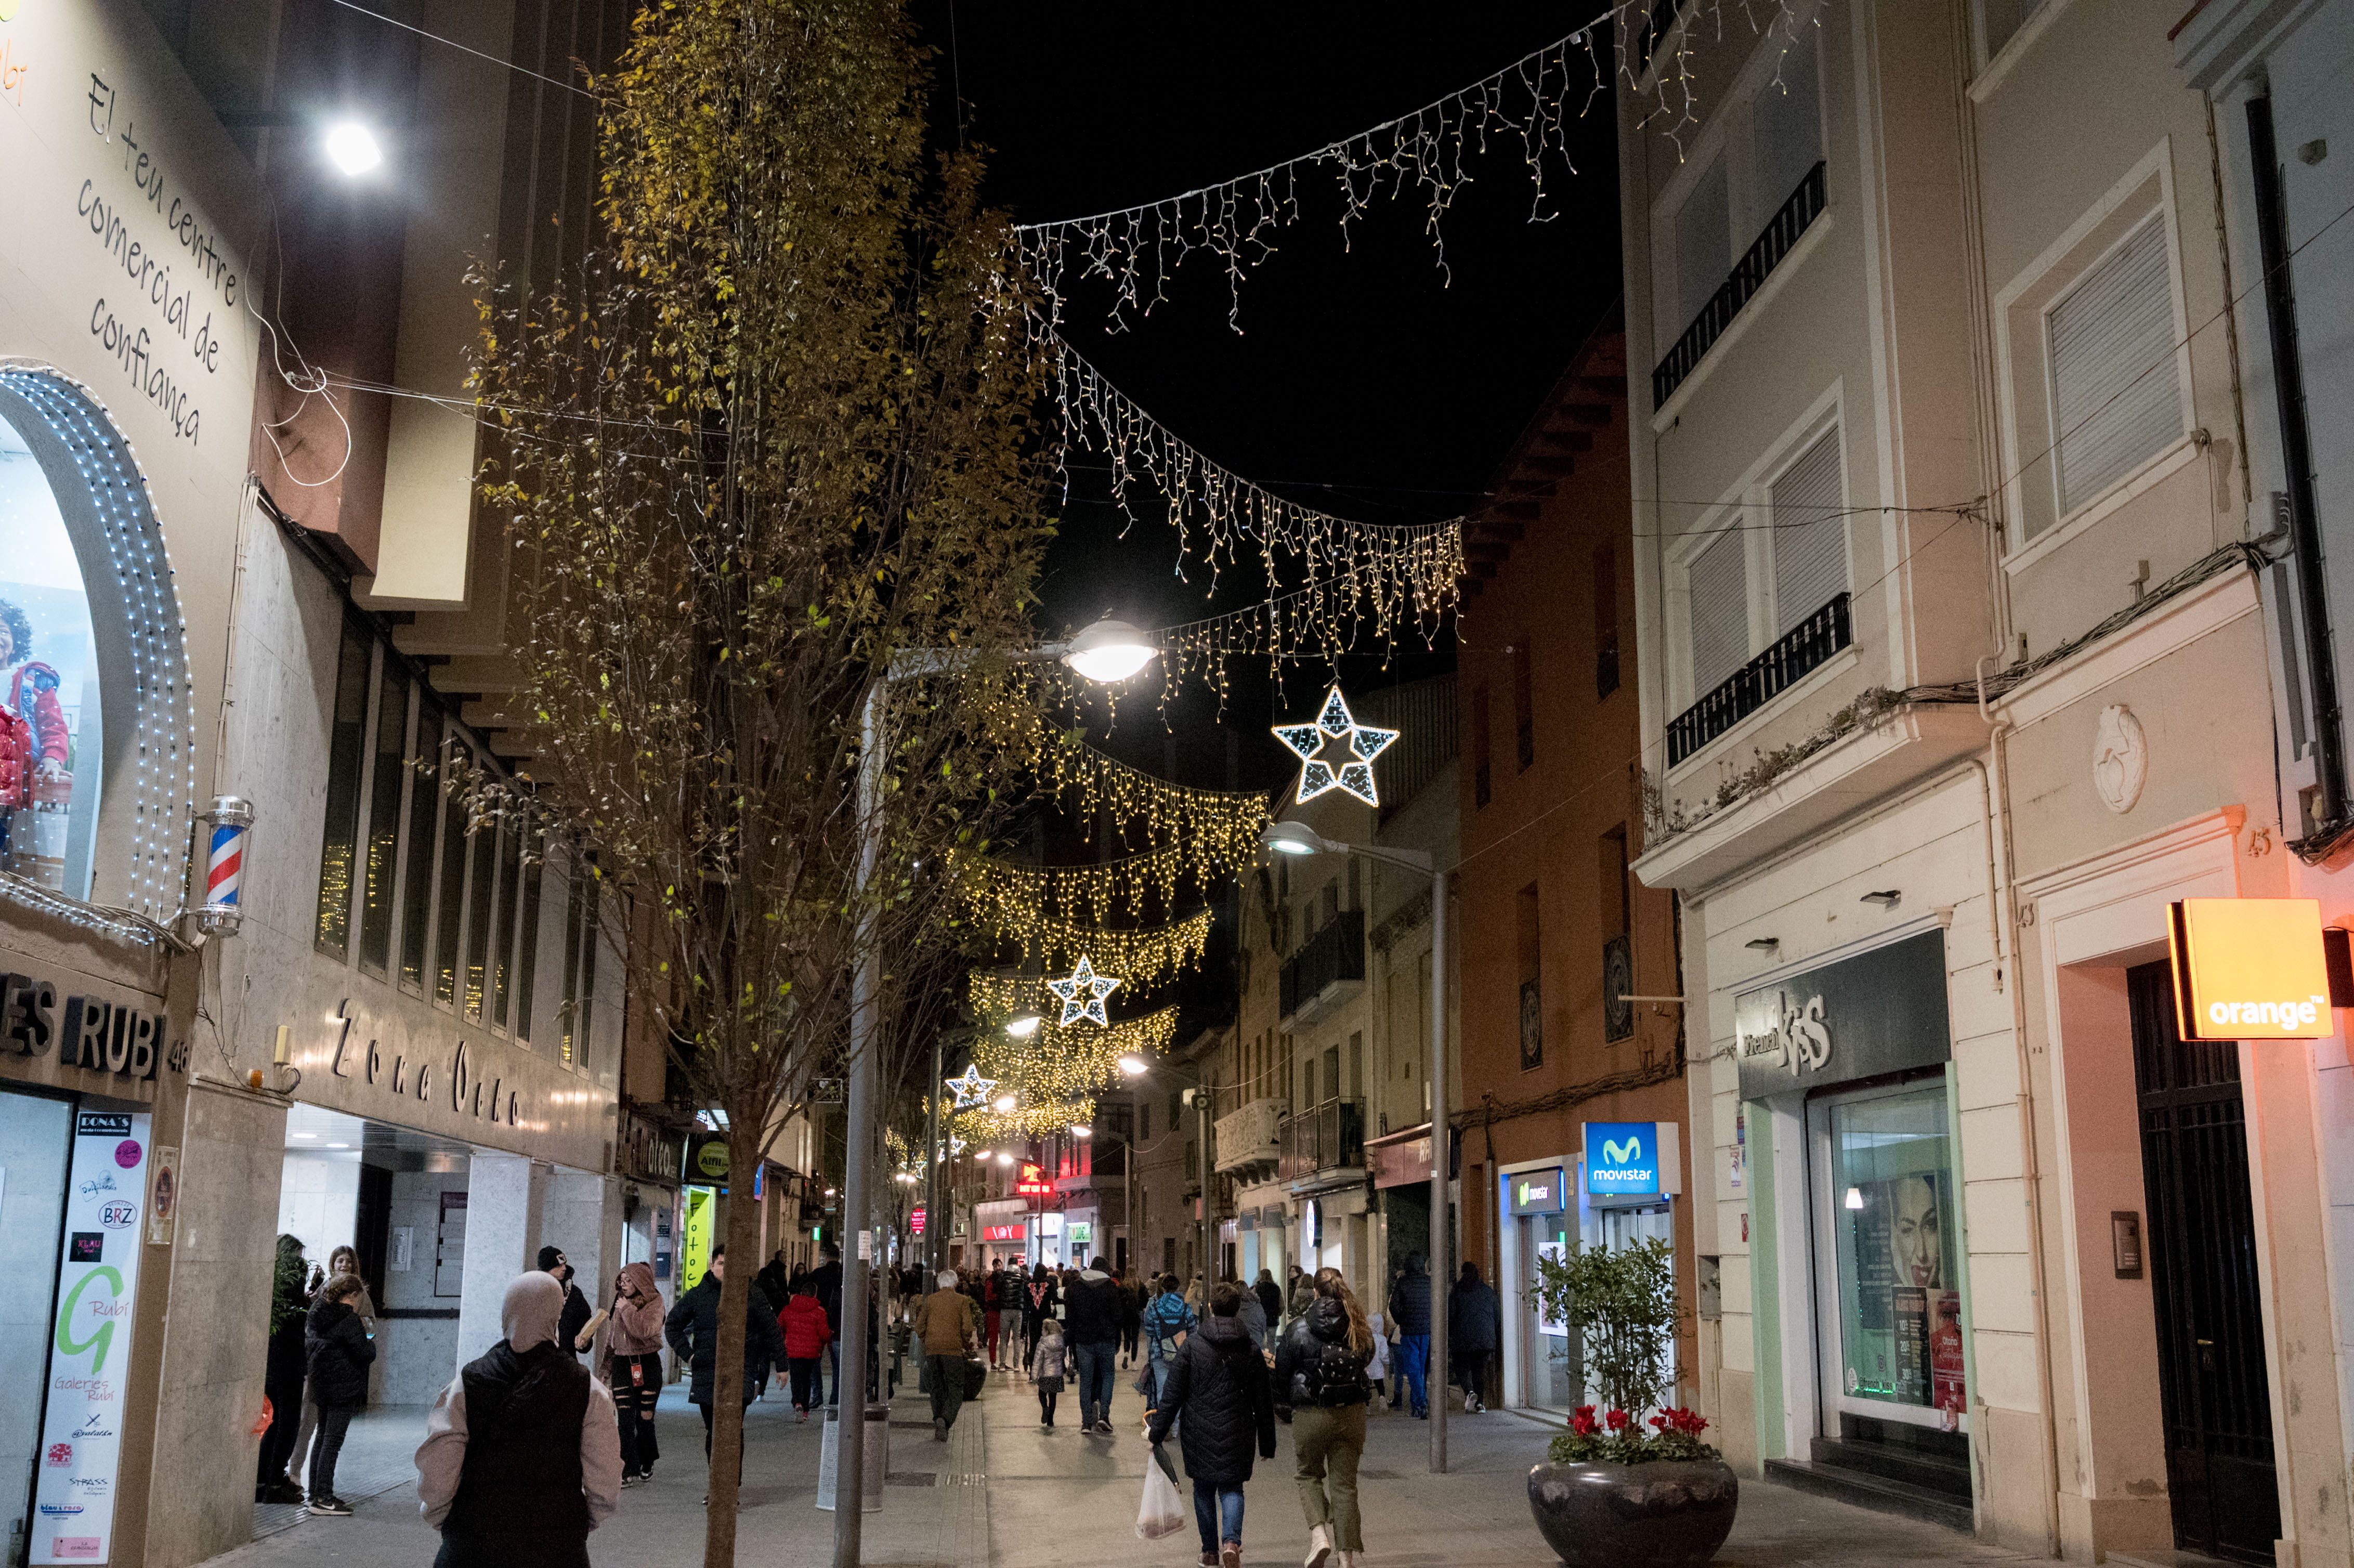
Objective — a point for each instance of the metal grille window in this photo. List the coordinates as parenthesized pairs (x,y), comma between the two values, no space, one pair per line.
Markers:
(1718,609)
(2117,401)
(416,875)
(1809,534)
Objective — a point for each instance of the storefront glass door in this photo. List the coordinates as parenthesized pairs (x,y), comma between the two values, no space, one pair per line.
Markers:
(1886,1275)
(1552,1371)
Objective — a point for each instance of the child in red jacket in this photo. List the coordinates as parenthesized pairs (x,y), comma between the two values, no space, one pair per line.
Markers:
(807,1330)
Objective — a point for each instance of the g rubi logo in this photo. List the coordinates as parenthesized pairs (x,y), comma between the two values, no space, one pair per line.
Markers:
(103,1335)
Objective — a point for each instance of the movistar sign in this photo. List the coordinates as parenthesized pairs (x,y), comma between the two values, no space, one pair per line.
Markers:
(1622,1158)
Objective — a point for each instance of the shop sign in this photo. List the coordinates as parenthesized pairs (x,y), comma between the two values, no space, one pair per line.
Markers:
(1082,1235)
(648,1150)
(86,1031)
(916,1221)
(1622,1158)
(695,1254)
(89,1342)
(1880,1012)
(1000,1233)
(706,1158)
(1032,1183)
(1401,1163)
(2249,969)
(1537,1191)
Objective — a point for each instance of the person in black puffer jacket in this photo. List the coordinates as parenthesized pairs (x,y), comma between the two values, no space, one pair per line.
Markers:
(692,1331)
(1219,1385)
(338,1354)
(1320,1374)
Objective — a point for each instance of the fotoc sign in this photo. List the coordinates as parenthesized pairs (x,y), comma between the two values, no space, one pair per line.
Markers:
(2249,969)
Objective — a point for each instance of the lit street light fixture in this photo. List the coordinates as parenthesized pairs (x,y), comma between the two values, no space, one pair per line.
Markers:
(1295,838)
(1108,651)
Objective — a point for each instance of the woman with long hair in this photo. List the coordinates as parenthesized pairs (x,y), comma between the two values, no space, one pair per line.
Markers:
(1321,1387)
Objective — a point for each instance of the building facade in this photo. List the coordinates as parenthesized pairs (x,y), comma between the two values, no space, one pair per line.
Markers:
(1956,675)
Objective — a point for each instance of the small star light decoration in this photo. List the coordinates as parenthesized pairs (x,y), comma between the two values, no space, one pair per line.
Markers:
(1083,995)
(971,1090)
(1359,745)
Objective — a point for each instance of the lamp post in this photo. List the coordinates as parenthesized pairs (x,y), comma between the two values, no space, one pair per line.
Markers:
(1298,839)
(1106,651)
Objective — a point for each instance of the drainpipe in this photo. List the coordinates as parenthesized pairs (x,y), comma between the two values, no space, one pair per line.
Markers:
(2329,815)
(1995,801)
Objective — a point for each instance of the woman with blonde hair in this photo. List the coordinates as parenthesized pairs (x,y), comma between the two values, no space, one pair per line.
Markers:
(1321,1388)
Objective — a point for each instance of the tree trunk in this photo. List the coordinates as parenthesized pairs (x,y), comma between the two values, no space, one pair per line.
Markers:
(728,1389)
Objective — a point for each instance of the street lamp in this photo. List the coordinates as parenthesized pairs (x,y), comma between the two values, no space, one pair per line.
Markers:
(352,147)
(1005,1103)
(1106,651)
(1023,1027)
(1296,838)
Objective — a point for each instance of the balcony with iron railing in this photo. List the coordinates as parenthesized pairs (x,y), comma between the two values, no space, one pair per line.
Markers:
(1329,967)
(1330,1137)
(1748,275)
(1796,653)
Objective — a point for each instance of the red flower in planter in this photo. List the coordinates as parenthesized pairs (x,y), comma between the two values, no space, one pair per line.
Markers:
(1617,1419)
(1582,1422)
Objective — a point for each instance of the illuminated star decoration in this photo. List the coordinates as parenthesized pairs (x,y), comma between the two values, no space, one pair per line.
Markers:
(971,1090)
(1083,995)
(1308,741)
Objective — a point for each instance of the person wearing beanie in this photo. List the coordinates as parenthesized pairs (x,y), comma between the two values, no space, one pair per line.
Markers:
(522,1457)
(574,1327)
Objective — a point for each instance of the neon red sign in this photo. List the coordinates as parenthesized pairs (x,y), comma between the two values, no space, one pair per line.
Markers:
(1000,1233)
(1033,1182)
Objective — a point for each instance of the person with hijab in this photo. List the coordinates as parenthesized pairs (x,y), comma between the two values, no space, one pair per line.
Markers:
(631,1354)
(522,1456)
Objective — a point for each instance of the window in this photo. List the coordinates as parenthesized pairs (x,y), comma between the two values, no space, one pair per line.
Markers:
(1606,621)
(503,924)
(1785,125)
(528,957)
(50,680)
(1481,778)
(1704,241)
(386,776)
(1809,534)
(1614,901)
(346,749)
(416,874)
(482,851)
(1718,579)
(1525,721)
(449,897)
(2116,400)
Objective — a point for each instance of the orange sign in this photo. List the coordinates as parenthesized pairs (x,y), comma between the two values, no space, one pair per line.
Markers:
(2249,969)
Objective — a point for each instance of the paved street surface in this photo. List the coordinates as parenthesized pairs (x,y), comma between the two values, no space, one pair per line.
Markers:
(1003,1494)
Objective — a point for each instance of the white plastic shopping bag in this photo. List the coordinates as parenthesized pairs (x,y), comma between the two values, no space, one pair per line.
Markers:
(1162,1512)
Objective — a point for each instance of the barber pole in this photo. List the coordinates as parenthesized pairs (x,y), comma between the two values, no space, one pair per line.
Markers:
(231,819)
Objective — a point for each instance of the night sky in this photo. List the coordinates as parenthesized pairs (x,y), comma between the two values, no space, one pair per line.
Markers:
(1363,382)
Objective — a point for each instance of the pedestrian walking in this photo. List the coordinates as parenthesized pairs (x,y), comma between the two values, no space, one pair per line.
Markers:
(1167,1321)
(575,1318)
(776,1278)
(338,1351)
(1475,1327)
(1132,1297)
(341,1261)
(1091,1312)
(1046,1371)
(827,1277)
(1298,1293)
(993,1309)
(692,1331)
(1410,1309)
(806,1333)
(1253,1317)
(1044,1295)
(1321,1388)
(1377,1371)
(1271,1299)
(1390,1343)
(949,1328)
(521,1458)
(631,1353)
(291,1284)
(1218,1384)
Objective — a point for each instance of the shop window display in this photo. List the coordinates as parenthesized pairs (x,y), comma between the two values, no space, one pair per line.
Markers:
(50,763)
(1894,1224)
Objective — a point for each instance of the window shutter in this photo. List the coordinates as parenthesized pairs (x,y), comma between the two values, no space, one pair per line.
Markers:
(1719,610)
(1809,534)
(2115,399)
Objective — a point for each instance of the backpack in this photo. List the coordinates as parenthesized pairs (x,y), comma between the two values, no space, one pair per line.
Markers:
(1335,1374)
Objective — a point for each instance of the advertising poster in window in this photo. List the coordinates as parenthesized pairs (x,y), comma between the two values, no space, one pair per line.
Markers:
(89,1342)
(1903,1341)
(48,683)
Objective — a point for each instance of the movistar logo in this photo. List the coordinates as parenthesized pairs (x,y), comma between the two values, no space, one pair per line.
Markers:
(1625,1153)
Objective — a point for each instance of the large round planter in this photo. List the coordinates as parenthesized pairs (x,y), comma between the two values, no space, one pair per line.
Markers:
(1668,1513)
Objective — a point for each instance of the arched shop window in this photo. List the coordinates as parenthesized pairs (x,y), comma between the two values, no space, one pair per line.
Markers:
(94,674)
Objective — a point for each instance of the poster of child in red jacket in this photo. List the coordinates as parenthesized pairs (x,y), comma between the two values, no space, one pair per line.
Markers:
(36,746)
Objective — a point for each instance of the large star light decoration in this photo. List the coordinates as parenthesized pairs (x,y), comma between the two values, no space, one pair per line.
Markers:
(971,1090)
(1083,995)
(1359,743)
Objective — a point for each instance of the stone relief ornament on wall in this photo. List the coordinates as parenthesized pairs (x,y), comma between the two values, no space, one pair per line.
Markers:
(2120,759)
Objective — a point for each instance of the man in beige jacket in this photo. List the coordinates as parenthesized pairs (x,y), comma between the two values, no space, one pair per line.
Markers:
(948,1323)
